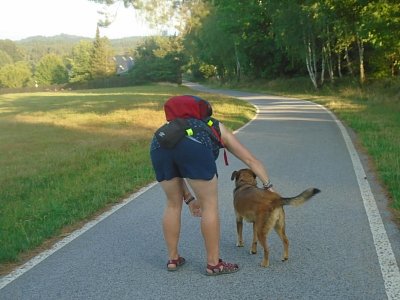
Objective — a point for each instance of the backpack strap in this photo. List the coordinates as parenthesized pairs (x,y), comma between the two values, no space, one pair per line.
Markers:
(210,124)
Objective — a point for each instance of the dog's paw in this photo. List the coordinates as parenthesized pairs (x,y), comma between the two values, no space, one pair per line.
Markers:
(239,244)
(253,249)
(264,264)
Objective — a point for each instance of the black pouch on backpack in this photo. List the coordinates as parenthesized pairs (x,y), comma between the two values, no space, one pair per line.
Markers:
(171,133)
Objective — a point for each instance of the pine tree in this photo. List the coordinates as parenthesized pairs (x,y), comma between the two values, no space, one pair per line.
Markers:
(80,61)
(101,63)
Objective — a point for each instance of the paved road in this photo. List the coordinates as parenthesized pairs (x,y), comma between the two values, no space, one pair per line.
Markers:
(335,252)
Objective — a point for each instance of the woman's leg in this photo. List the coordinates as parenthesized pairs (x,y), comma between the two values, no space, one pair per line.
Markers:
(207,193)
(172,215)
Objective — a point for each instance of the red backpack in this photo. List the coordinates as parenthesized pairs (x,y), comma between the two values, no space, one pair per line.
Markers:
(188,106)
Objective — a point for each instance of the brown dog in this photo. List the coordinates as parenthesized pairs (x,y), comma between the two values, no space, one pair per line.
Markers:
(264,209)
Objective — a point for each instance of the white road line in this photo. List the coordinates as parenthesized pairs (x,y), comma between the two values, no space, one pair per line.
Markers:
(4,281)
(389,268)
(248,123)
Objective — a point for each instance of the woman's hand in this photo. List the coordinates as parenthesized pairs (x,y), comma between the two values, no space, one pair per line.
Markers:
(194,207)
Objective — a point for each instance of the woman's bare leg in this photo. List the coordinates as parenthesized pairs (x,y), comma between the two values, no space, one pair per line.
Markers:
(207,193)
(172,215)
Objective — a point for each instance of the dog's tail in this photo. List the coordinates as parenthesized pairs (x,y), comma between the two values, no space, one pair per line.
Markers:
(300,199)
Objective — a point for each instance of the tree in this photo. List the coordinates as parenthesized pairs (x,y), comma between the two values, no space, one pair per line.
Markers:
(12,50)
(247,24)
(15,75)
(369,27)
(295,33)
(80,61)
(101,60)
(209,44)
(159,59)
(51,70)
(264,38)
(183,15)
(381,21)
(5,59)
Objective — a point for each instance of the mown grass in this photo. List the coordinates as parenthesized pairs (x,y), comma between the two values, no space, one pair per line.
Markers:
(372,111)
(66,155)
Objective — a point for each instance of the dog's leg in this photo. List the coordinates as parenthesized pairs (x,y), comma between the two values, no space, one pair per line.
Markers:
(253,249)
(239,229)
(262,234)
(280,230)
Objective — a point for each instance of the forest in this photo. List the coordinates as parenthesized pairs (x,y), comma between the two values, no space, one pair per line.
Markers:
(60,59)
(228,41)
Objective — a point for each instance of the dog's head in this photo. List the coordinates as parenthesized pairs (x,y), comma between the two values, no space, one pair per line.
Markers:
(244,176)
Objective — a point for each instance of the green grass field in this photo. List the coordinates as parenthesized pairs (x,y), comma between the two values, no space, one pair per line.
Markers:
(65,156)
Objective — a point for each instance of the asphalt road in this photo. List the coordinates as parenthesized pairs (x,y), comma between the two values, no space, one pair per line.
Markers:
(343,244)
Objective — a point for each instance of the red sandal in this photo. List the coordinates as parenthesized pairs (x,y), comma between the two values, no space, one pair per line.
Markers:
(177,262)
(221,268)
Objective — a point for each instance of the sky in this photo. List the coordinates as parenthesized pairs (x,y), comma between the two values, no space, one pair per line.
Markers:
(20,19)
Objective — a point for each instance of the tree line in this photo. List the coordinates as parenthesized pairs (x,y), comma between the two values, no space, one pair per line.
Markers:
(229,40)
(85,60)
(324,39)
(82,62)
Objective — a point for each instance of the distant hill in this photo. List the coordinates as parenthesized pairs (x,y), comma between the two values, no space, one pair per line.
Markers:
(36,46)
(73,39)
(125,45)
(52,39)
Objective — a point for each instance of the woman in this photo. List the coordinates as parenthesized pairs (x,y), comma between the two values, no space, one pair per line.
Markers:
(193,159)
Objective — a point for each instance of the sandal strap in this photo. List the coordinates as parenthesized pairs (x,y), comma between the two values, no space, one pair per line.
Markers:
(226,267)
(178,262)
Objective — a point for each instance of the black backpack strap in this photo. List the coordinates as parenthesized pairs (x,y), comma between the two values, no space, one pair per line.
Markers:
(210,122)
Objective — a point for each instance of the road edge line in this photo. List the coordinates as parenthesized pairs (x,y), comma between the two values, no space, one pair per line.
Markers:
(387,260)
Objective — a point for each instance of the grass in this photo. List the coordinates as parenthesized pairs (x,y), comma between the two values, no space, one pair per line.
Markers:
(67,155)
(372,111)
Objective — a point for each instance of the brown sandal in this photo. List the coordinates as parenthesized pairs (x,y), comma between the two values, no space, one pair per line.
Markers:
(177,262)
(221,268)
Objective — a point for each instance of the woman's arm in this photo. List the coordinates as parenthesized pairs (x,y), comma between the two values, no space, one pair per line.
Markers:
(194,205)
(234,146)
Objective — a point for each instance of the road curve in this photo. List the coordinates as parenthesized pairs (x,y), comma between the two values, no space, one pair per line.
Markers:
(343,244)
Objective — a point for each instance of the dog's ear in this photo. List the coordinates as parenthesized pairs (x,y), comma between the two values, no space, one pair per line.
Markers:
(233,175)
